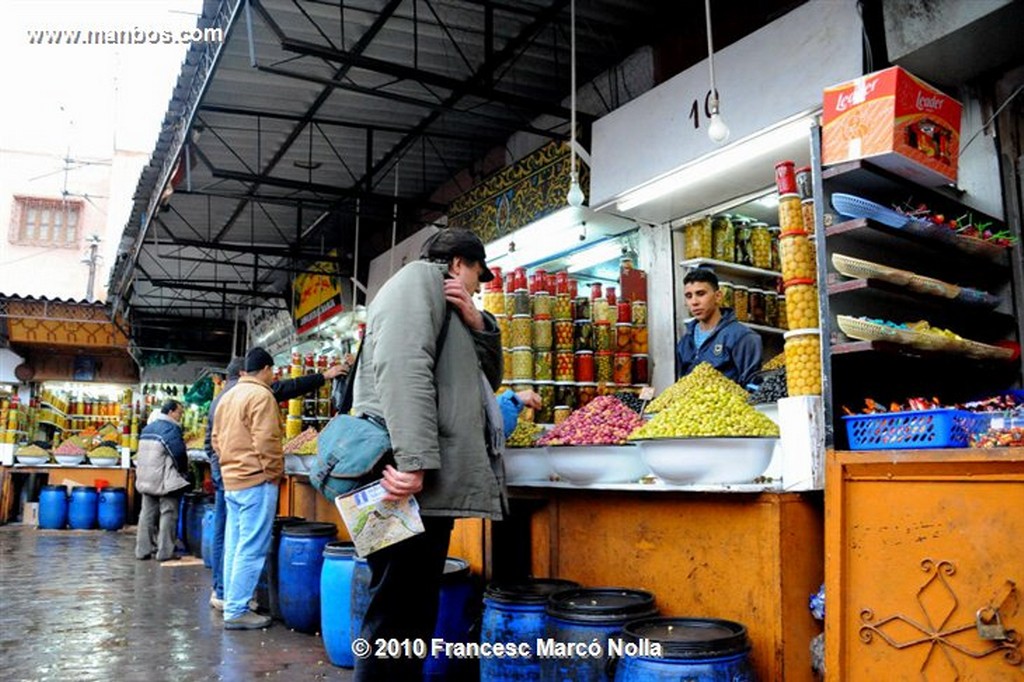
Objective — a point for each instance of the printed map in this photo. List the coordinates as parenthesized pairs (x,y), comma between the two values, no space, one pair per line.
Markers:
(374,523)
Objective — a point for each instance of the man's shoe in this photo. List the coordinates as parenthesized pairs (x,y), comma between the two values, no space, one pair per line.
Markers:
(247,621)
(216,603)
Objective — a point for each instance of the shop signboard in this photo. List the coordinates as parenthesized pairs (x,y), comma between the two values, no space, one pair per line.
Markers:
(317,294)
(272,330)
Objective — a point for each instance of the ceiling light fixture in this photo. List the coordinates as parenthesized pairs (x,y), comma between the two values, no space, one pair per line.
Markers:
(717,130)
(575,195)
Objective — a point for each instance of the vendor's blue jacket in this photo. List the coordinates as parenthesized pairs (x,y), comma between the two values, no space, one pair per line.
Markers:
(732,349)
(510,406)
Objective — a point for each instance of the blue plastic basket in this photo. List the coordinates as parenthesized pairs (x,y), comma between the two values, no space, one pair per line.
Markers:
(945,428)
(857,207)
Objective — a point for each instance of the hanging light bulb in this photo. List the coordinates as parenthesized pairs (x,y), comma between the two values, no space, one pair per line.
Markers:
(574,197)
(717,130)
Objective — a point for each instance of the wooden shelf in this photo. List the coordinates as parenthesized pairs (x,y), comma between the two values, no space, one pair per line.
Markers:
(725,267)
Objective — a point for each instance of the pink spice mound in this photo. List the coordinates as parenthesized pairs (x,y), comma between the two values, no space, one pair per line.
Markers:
(604,421)
(68,448)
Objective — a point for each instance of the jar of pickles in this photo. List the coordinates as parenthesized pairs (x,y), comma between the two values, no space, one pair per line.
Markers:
(546,391)
(797,257)
(744,255)
(542,369)
(791,216)
(586,392)
(504,323)
(543,305)
(755,303)
(807,209)
(494,302)
(562,413)
(507,356)
(776,260)
(583,335)
(641,370)
(564,366)
(584,366)
(604,365)
(727,289)
(542,334)
(581,308)
(697,239)
(741,302)
(603,335)
(783,315)
(624,312)
(760,246)
(522,364)
(521,304)
(566,394)
(600,310)
(723,238)
(639,312)
(623,337)
(639,345)
(622,368)
(563,334)
(771,309)
(802,304)
(562,309)
(803,361)
(521,331)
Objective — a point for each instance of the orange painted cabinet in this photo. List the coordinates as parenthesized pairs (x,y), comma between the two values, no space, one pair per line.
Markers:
(925,565)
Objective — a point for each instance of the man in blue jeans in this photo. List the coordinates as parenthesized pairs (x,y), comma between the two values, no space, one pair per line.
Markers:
(247,437)
(285,389)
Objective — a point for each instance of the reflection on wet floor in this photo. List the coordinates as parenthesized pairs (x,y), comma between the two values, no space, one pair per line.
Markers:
(76,605)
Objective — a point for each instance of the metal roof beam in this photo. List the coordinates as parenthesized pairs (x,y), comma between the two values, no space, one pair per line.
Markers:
(188,286)
(274,267)
(258,199)
(467,88)
(278,251)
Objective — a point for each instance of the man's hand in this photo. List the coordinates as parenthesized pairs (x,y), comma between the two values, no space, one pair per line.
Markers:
(401,484)
(456,294)
(335,371)
(530,399)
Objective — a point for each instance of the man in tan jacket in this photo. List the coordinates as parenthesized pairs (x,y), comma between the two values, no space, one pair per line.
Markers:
(247,436)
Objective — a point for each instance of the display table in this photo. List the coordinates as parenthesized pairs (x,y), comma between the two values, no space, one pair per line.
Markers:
(919,544)
(58,474)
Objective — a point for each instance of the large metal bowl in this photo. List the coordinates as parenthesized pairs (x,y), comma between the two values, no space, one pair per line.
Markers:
(526,465)
(590,464)
(69,460)
(684,461)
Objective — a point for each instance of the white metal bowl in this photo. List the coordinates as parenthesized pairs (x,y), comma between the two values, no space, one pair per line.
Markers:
(103,461)
(590,464)
(707,460)
(32,460)
(297,464)
(69,460)
(525,465)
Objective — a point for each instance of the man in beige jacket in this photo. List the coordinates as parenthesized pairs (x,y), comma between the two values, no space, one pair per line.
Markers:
(247,437)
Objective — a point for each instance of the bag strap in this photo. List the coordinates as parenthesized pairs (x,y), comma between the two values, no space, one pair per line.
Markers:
(350,384)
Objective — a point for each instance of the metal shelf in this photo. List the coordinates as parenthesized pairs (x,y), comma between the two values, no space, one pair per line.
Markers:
(721,266)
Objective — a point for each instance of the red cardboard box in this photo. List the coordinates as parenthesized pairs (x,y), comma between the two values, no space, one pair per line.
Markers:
(897,121)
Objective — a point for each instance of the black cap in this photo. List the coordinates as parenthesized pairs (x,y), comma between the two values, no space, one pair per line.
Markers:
(256,359)
(454,242)
(235,368)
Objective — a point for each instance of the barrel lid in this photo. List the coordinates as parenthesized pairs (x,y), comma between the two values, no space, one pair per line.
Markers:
(114,489)
(340,549)
(601,604)
(83,487)
(690,637)
(527,591)
(310,529)
(55,487)
(282,521)
(455,568)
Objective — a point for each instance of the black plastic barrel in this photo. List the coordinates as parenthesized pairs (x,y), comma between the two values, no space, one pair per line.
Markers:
(697,649)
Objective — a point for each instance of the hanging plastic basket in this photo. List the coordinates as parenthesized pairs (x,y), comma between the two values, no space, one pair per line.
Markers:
(944,428)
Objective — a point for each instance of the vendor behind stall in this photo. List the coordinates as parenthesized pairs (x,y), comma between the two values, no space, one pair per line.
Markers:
(714,335)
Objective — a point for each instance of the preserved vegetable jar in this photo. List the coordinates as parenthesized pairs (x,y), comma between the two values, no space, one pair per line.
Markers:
(727,290)
(639,312)
(542,335)
(521,304)
(565,394)
(583,336)
(804,182)
(639,346)
(584,366)
(624,312)
(543,305)
(771,309)
(623,337)
(610,296)
(595,291)
(562,309)
(797,256)
(546,391)
(791,215)
(586,392)
(561,413)
(564,370)
(522,364)
(776,260)
(741,302)
(760,246)
(641,370)
(723,238)
(519,280)
(564,334)
(622,368)
(803,361)
(802,304)
(600,310)
(521,331)
(542,370)
(807,210)
(604,364)
(581,308)
(785,177)
(744,255)
(507,355)
(697,239)
(562,282)
(756,304)
(504,323)
(783,316)
(603,335)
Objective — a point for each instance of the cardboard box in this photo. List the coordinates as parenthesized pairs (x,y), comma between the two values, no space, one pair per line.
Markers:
(898,122)
(30,514)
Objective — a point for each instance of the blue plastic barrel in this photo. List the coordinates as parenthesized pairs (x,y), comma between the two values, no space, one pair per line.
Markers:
(195,520)
(458,609)
(587,614)
(361,575)
(83,507)
(697,649)
(336,602)
(112,507)
(514,612)
(53,507)
(208,521)
(267,587)
(300,561)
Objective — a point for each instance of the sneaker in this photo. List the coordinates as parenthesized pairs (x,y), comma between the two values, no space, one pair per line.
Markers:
(216,603)
(247,621)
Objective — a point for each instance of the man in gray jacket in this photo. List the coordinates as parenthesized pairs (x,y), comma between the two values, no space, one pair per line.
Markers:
(434,407)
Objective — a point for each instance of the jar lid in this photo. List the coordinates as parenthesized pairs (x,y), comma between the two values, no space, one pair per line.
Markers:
(798,281)
(802,332)
(774,228)
(640,355)
(601,605)
(741,286)
(561,407)
(605,353)
(803,169)
(788,196)
(584,352)
(585,320)
(623,324)
(522,317)
(542,292)
(587,383)
(339,549)
(793,233)
(520,349)
(623,355)
(565,383)
(759,223)
(809,200)
(541,318)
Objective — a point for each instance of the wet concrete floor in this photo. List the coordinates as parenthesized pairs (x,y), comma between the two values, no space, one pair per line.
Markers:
(77,605)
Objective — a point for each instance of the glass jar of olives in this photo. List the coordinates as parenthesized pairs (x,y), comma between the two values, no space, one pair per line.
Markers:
(697,239)
(723,238)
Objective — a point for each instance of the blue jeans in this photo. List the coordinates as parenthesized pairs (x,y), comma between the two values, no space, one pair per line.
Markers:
(247,534)
(220,513)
